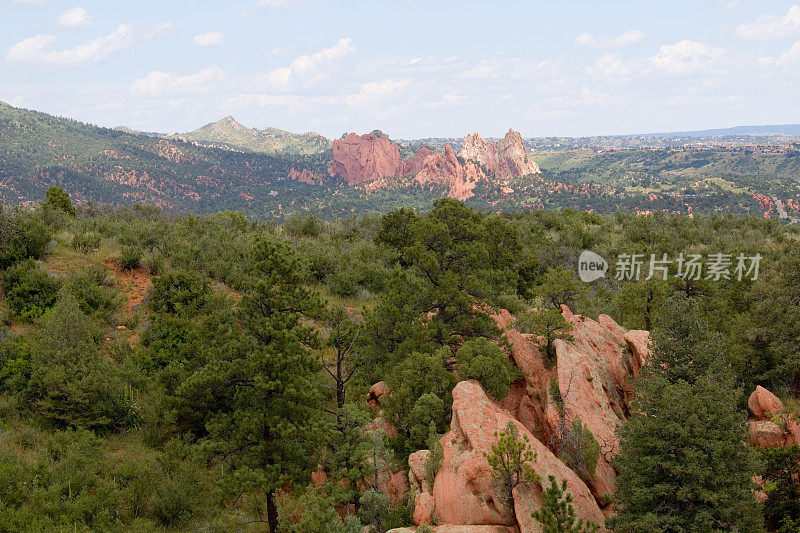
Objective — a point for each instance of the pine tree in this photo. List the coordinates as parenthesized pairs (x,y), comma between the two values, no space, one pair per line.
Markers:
(511,460)
(259,389)
(684,463)
(557,515)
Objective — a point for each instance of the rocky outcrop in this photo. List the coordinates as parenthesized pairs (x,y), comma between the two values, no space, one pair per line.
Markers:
(446,170)
(767,434)
(506,158)
(414,165)
(639,344)
(464,491)
(591,381)
(372,157)
(773,425)
(461,529)
(364,158)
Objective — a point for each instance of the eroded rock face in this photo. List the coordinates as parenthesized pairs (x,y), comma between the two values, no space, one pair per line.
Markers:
(506,158)
(594,380)
(414,165)
(464,490)
(639,344)
(592,377)
(445,169)
(364,158)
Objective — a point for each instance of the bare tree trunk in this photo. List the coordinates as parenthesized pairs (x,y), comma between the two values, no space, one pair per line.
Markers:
(272,512)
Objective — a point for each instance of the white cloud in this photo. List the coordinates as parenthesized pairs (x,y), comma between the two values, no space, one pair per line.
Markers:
(612,66)
(373,93)
(209,39)
(277,51)
(789,57)
(36,50)
(604,42)
(771,27)
(686,57)
(308,64)
(733,5)
(275,4)
(76,18)
(158,83)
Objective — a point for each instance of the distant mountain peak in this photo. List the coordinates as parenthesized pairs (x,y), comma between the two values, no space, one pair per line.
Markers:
(229,132)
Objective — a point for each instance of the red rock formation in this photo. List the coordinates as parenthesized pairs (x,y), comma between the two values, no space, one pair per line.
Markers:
(639,343)
(461,529)
(593,372)
(464,491)
(445,169)
(768,434)
(363,158)
(594,381)
(772,425)
(764,404)
(506,158)
(414,165)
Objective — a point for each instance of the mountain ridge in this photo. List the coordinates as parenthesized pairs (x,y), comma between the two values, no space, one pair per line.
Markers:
(228,132)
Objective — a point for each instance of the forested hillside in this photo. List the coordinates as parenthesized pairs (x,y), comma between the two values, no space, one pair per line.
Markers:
(229,133)
(121,168)
(184,372)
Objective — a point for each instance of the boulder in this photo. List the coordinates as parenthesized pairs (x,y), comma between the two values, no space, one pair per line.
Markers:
(423,508)
(464,490)
(766,434)
(364,158)
(376,392)
(764,404)
(417,477)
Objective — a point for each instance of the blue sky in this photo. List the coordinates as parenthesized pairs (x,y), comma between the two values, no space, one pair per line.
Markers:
(411,68)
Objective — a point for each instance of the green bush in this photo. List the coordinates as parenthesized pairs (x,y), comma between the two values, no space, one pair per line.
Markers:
(180,292)
(15,362)
(85,241)
(130,257)
(29,290)
(484,361)
(58,199)
(434,461)
(93,297)
(71,385)
(22,236)
(580,450)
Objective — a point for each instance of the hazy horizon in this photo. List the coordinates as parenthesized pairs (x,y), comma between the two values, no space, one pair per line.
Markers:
(411,69)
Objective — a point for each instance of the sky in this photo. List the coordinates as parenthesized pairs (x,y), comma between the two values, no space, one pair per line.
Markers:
(414,69)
